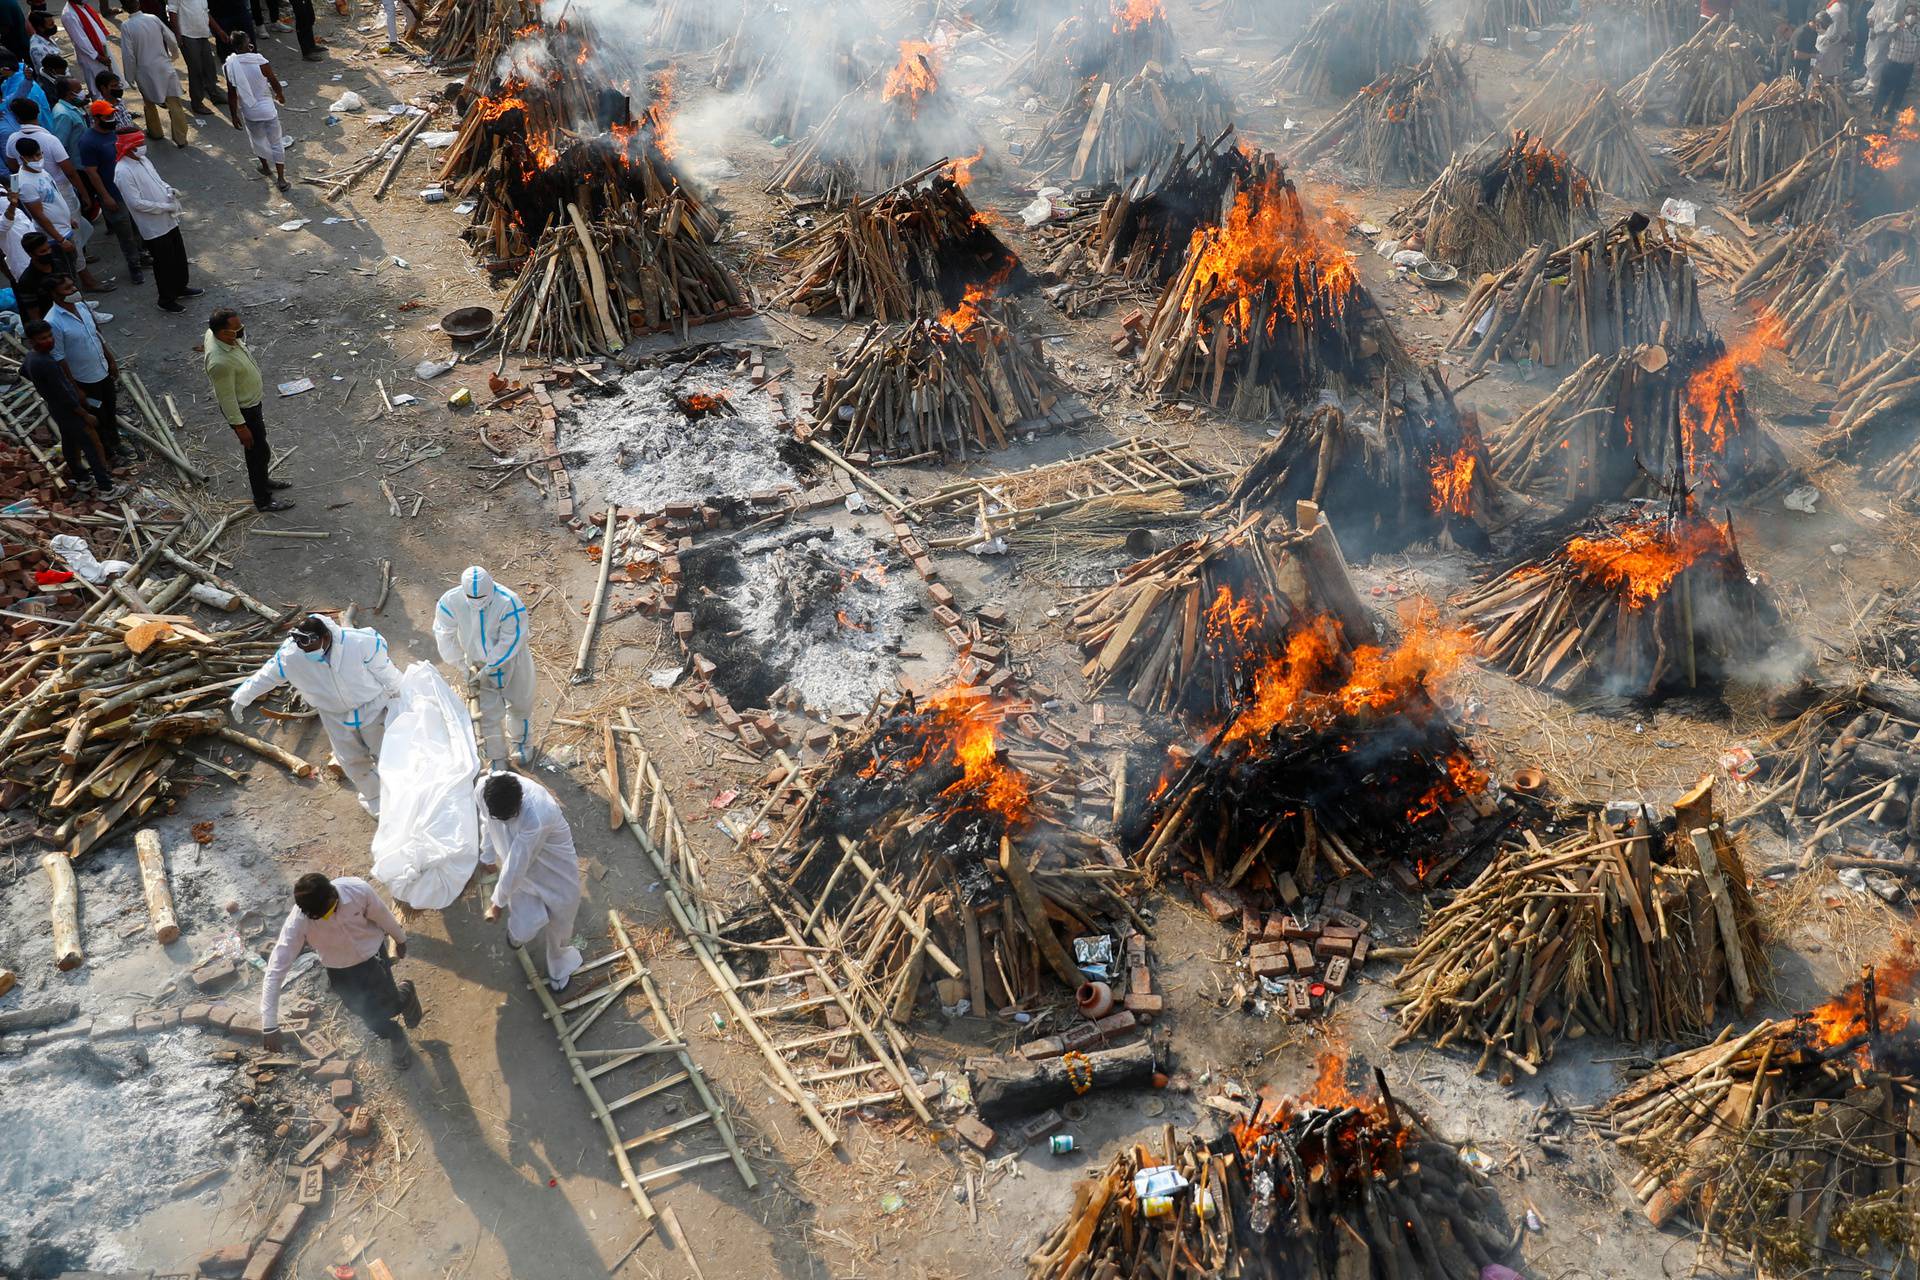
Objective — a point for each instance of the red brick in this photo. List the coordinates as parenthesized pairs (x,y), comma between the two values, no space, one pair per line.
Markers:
(1144,1005)
(361,1123)
(941,593)
(286,1223)
(974,1132)
(340,1092)
(228,1263)
(263,1264)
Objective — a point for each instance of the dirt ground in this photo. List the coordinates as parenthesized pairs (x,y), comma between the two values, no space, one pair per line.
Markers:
(498,1169)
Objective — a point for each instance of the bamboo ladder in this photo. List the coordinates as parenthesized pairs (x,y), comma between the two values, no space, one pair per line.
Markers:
(573,1019)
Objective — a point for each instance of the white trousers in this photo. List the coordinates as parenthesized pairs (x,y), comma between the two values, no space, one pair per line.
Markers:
(555,936)
(355,739)
(506,708)
(269,143)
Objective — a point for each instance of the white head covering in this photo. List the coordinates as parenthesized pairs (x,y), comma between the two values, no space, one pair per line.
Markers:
(477,583)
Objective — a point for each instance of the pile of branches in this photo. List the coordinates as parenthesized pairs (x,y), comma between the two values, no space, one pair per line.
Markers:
(1636,605)
(869,143)
(1138,236)
(1701,81)
(1772,129)
(1845,300)
(590,287)
(1633,932)
(1426,475)
(938,387)
(1111,133)
(777,59)
(1495,202)
(1265,307)
(1113,40)
(1111,1221)
(1615,42)
(1795,1142)
(1349,46)
(686,26)
(1847,768)
(1837,178)
(1626,424)
(1490,19)
(1611,288)
(1873,420)
(1407,125)
(461,28)
(906,252)
(1588,124)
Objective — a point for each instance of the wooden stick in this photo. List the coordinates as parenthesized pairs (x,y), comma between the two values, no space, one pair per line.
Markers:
(64,910)
(153,880)
(599,598)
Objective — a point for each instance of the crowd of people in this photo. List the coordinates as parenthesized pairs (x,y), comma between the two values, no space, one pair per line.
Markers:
(1865,47)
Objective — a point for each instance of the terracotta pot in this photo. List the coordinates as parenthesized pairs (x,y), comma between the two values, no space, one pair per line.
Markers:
(1095,999)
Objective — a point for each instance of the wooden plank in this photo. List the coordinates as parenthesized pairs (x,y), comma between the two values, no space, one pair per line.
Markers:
(1709,860)
(1013,866)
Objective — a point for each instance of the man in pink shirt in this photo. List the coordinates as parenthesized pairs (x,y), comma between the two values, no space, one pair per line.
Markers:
(346,923)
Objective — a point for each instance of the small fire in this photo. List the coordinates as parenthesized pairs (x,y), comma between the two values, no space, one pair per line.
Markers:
(1464,778)
(1131,15)
(1366,1141)
(1710,412)
(545,154)
(1883,149)
(962,169)
(850,622)
(967,314)
(1641,561)
(660,114)
(914,76)
(1453,482)
(961,728)
(1268,238)
(1845,1016)
(1232,622)
(701,402)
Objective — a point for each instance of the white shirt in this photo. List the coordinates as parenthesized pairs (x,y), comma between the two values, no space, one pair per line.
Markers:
(350,936)
(39,47)
(147,47)
(153,204)
(192,17)
(17,228)
(39,187)
(53,153)
(356,671)
(256,95)
(88,33)
(539,871)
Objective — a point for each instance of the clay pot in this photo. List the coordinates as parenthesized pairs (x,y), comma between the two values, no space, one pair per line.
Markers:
(1095,999)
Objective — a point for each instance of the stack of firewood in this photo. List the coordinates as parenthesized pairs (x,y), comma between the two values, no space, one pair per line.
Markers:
(870,142)
(1701,81)
(1795,1141)
(952,386)
(1113,40)
(591,286)
(460,26)
(1629,283)
(793,64)
(1822,183)
(1588,123)
(1109,134)
(1629,932)
(1495,202)
(1117,1215)
(683,26)
(1407,125)
(1264,309)
(1626,424)
(1614,42)
(1637,605)
(908,251)
(1872,419)
(1771,130)
(1845,300)
(1348,46)
(1137,236)
(1491,19)
(1426,473)
(1846,770)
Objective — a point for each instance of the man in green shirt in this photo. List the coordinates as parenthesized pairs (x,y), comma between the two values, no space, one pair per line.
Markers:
(236,385)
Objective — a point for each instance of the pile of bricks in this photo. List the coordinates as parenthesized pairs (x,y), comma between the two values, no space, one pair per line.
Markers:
(22,551)
(1302,959)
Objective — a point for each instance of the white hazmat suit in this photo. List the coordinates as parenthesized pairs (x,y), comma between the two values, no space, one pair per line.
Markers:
(539,885)
(481,624)
(352,684)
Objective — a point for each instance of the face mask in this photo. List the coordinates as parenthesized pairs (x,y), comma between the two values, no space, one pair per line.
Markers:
(139,153)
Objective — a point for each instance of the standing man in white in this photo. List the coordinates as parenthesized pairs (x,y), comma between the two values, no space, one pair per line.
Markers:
(347,677)
(481,628)
(523,830)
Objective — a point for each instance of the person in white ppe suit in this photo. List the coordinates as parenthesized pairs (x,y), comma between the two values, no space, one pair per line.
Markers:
(524,832)
(347,676)
(481,628)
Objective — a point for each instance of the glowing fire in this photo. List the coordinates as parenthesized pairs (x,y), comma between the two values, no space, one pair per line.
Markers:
(1268,238)
(701,402)
(1708,415)
(850,622)
(1845,1016)
(1233,623)
(962,169)
(914,76)
(1130,15)
(1453,482)
(1366,1141)
(1641,561)
(967,314)
(961,727)
(1883,149)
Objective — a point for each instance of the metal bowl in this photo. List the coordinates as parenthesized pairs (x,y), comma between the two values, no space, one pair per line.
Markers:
(468,324)
(1437,272)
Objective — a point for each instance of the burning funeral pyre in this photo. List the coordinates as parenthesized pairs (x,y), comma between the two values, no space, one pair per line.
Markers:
(965,382)
(793,63)
(1847,771)
(1110,133)
(1111,40)
(1769,132)
(1348,46)
(1634,423)
(1615,41)
(1138,236)
(1630,283)
(682,26)
(1266,307)
(1494,203)
(1843,302)
(938,831)
(1561,942)
(1796,1143)
(1857,172)
(1425,476)
(1407,125)
(1588,124)
(1701,81)
(914,250)
(873,140)
(1493,19)
(1639,604)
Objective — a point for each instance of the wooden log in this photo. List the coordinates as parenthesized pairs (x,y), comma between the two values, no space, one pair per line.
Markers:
(1013,866)
(1006,1089)
(153,881)
(64,911)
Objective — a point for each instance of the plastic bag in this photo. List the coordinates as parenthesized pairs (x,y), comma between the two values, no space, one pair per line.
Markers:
(428,841)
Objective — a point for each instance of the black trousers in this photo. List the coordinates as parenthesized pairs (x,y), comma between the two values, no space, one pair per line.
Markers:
(303,24)
(106,413)
(1891,94)
(83,455)
(169,254)
(258,455)
(368,991)
(272,15)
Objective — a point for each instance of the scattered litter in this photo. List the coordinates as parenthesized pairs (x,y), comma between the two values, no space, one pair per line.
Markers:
(296,387)
(349,101)
(295,225)
(1679,211)
(1804,499)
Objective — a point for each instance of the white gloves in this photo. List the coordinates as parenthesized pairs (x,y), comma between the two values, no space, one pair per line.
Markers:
(238,712)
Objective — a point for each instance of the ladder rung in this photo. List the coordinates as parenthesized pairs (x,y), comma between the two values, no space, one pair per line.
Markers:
(647,1091)
(655,1175)
(668,1130)
(590,965)
(840,1034)
(840,1073)
(598,993)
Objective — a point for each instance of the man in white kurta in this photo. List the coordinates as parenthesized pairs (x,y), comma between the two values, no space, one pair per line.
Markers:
(523,830)
(88,34)
(147,48)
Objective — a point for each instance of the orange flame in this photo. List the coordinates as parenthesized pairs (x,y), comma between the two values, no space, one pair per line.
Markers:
(1232,622)
(967,314)
(1641,561)
(1268,238)
(962,169)
(660,114)
(914,76)
(1883,149)
(1845,1016)
(1131,15)
(961,728)
(1707,416)
(1453,481)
